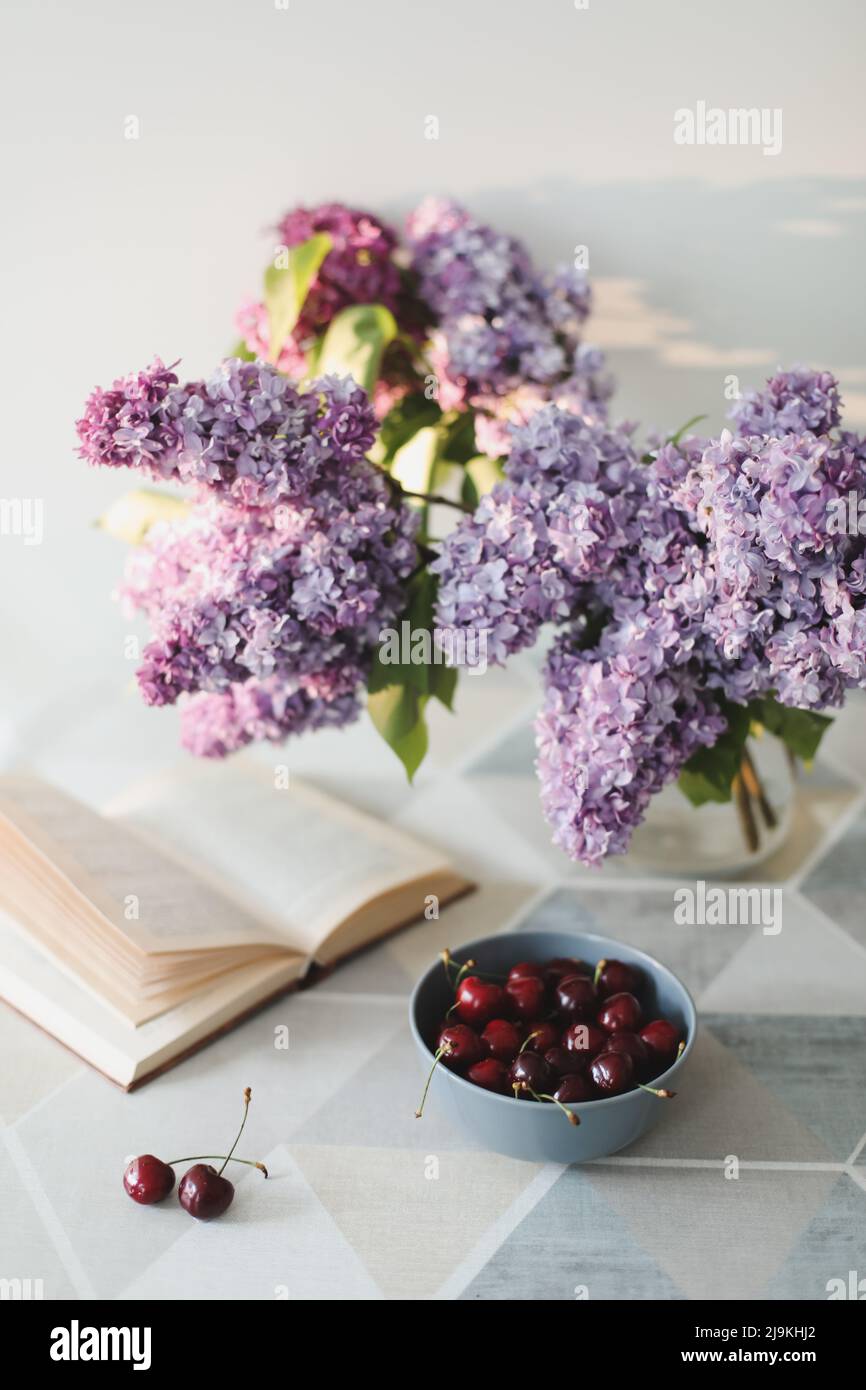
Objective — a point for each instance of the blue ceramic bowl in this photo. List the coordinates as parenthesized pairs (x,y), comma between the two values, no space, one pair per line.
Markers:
(524,1129)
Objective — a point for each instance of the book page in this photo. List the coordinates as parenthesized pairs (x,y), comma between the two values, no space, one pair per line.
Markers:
(298,859)
(145,896)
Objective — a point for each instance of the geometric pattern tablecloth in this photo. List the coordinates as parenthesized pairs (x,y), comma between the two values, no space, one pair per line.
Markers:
(354,1207)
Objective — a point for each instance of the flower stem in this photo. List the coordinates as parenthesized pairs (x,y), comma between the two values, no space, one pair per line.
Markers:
(755,788)
(746,814)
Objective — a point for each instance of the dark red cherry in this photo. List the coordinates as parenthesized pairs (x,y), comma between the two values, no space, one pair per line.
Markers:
(582,1041)
(663,1040)
(490,1074)
(541,1035)
(560,1061)
(204,1193)
(148,1179)
(478,1001)
(616,977)
(502,1039)
(527,996)
(633,1046)
(530,1070)
(461,1047)
(576,999)
(561,967)
(573,1088)
(526,970)
(612,1073)
(620,1013)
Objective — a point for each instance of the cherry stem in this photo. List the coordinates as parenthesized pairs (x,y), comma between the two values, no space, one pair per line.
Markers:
(527,1040)
(569,1114)
(680,1050)
(467,965)
(598,970)
(655,1091)
(247,1097)
(193,1158)
(443,1051)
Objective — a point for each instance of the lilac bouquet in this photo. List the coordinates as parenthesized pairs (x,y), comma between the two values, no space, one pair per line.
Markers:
(697,588)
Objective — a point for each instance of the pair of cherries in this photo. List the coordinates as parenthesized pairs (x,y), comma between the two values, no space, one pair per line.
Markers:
(554,1031)
(203,1191)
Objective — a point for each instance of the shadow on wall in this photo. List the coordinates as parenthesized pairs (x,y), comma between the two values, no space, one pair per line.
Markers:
(695,283)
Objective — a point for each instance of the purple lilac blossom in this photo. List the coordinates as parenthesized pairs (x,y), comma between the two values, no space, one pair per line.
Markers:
(298,597)
(501,328)
(246,434)
(616,726)
(790,403)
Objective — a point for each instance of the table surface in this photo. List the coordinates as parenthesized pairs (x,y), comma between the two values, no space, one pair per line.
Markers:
(354,1207)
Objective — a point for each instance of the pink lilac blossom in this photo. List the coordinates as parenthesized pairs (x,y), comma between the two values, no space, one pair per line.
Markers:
(246,434)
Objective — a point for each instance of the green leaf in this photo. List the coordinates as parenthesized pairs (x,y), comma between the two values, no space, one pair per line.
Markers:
(708,774)
(403,422)
(286,288)
(443,684)
(131,516)
(411,637)
(801,730)
(398,714)
(355,342)
(457,438)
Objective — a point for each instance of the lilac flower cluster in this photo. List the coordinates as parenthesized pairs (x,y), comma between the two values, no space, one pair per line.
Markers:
(785,609)
(267,602)
(708,574)
(506,340)
(618,723)
(359,269)
(246,434)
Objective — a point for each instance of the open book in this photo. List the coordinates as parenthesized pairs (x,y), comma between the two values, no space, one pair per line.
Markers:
(135,936)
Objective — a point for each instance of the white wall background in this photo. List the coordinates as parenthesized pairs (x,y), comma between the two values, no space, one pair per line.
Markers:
(556,122)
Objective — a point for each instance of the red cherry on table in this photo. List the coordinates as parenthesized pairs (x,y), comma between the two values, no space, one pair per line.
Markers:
(541,1035)
(620,1012)
(612,1073)
(526,996)
(529,1072)
(583,1041)
(576,998)
(562,966)
(460,1047)
(478,1001)
(663,1041)
(491,1075)
(501,1039)
(573,1089)
(148,1179)
(204,1193)
(526,970)
(617,977)
(633,1046)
